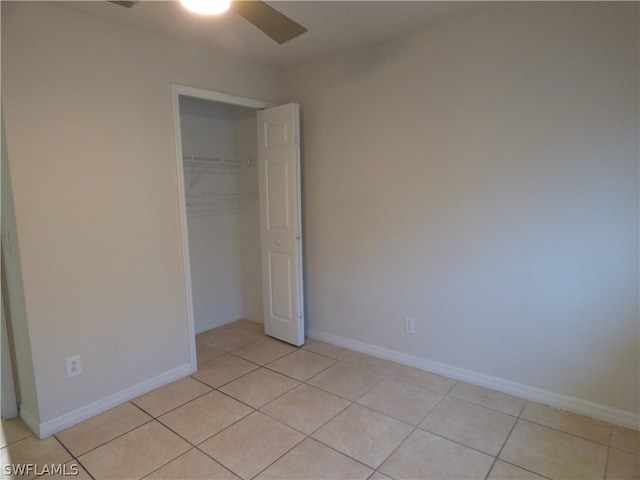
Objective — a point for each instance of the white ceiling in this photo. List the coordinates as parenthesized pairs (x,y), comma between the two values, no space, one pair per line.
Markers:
(334,26)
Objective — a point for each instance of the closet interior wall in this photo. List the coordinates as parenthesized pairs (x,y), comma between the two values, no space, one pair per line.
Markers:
(223,228)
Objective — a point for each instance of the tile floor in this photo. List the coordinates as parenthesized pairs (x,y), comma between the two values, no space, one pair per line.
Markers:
(259,408)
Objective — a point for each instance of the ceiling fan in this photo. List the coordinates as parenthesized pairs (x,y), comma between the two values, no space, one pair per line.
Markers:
(266,18)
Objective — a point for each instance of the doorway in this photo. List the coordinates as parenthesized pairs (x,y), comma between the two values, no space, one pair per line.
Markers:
(225,207)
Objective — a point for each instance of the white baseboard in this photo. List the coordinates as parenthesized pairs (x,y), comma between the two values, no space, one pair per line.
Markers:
(565,402)
(67,420)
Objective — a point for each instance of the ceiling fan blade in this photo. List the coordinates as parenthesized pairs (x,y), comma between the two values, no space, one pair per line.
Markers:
(274,24)
(127,4)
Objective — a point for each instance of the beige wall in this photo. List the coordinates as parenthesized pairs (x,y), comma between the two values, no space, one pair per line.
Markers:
(90,140)
(481,177)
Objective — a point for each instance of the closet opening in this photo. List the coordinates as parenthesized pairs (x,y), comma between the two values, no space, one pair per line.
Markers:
(240,212)
(219,150)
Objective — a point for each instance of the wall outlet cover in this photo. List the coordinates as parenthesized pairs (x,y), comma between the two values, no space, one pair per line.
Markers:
(74,366)
(409,326)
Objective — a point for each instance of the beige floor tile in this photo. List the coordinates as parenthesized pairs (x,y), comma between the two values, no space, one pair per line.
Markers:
(206,352)
(348,381)
(472,425)
(30,450)
(623,465)
(249,446)
(259,387)
(424,455)
(212,334)
(575,424)
(205,416)
(232,340)
(423,379)
(554,454)
(12,431)
(489,398)
(301,365)
(237,326)
(173,395)
(328,350)
(363,434)
(207,335)
(219,330)
(223,370)
(250,326)
(218,333)
(264,351)
(367,361)
(193,465)
(625,439)
(306,408)
(135,454)
(400,400)
(506,471)
(313,461)
(102,428)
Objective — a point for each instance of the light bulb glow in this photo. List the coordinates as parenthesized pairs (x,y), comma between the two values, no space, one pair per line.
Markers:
(206,7)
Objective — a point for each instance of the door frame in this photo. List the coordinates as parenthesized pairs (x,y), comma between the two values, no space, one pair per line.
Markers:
(8,397)
(219,97)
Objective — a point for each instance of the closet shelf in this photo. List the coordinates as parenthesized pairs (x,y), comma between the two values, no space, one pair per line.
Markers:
(198,166)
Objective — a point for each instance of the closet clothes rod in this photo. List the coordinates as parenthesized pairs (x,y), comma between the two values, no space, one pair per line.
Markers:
(222,162)
(221,195)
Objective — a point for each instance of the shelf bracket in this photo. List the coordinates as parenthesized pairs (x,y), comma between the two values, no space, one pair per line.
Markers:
(196,175)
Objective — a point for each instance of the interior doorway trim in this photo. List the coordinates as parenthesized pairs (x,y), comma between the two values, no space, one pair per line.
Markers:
(176,91)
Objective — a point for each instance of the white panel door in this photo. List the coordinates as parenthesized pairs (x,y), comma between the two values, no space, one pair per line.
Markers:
(281,222)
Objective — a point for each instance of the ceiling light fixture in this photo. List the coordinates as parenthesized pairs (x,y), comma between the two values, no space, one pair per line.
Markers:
(206,7)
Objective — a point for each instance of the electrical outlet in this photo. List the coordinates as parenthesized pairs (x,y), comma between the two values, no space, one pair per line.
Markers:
(409,326)
(74,366)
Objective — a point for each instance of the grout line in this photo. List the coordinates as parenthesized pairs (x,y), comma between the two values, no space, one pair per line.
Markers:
(140,408)
(270,464)
(218,462)
(151,419)
(179,406)
(606,463)
(504,443)
(521,468)
(458,399)
(73,457)
(457,442)
(515,415)
(165,464)
(346,454)
(556,429)
(232,380)
(85,468)
(297,379)
(393,451)
(507,439)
